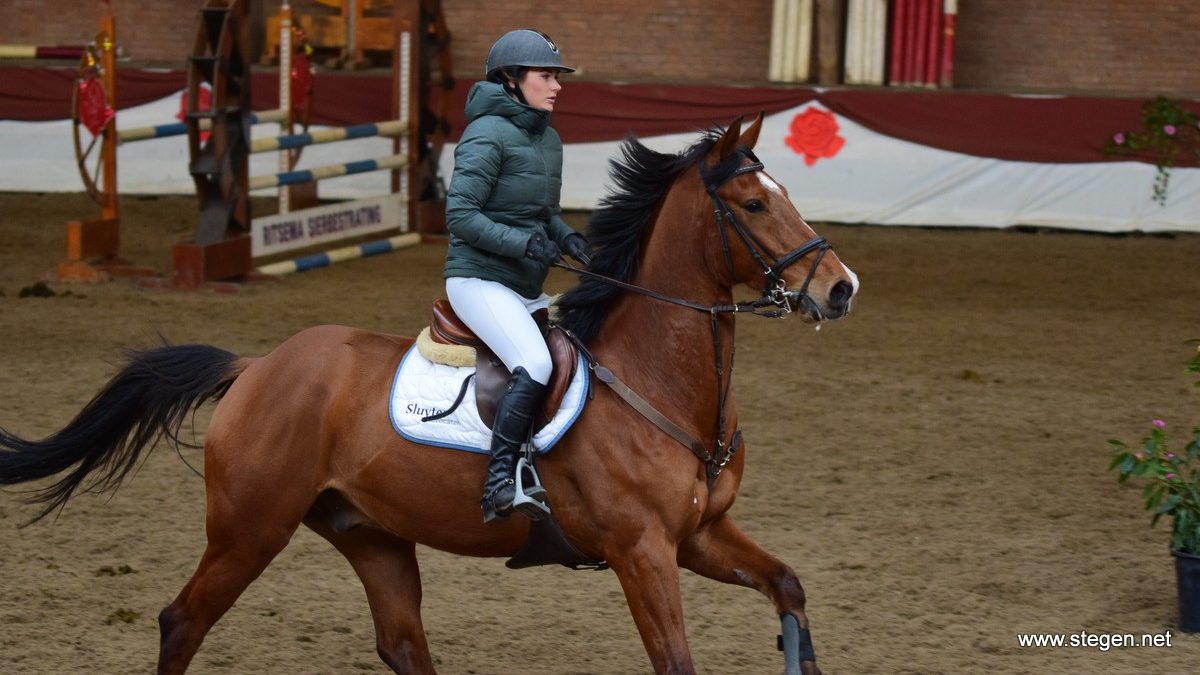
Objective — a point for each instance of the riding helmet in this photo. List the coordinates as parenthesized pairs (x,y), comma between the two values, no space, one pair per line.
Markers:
(525,48)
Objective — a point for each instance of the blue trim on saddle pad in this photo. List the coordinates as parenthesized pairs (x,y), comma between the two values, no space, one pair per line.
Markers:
(430,388)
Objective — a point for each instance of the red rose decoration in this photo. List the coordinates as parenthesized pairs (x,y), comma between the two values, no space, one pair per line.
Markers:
(94,112)
(814,135)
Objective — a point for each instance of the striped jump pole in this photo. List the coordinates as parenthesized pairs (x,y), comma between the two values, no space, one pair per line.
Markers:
(180,128)
(71,52)
(329,171)
(327,258)
(289,142)
(301,232)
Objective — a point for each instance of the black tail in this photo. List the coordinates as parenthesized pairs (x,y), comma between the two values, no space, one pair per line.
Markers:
(150,397)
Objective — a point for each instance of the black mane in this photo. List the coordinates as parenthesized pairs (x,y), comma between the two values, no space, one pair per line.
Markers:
(641,177)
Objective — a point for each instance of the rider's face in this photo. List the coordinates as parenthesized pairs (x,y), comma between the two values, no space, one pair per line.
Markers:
(540,88)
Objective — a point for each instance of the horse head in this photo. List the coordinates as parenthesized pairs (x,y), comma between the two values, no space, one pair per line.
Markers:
(761,240)
(695,225)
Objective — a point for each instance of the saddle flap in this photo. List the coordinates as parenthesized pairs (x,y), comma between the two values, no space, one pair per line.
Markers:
(566,359)
(491,378)
(490,374)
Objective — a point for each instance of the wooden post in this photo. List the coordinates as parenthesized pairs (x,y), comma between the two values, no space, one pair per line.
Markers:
(286,162)
(899,43)
(405,75)
(949,24)
(108,61)
(88,239)
(220,165)
(93,246)
(829,32)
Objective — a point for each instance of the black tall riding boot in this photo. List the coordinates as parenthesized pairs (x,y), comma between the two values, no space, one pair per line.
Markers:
(514,416)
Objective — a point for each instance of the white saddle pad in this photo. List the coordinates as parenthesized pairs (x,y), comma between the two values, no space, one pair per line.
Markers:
(422,388)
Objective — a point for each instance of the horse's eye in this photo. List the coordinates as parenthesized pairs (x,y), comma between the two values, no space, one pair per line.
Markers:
(754,206)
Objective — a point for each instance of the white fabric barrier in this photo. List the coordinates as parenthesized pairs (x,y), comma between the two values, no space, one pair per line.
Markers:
(883,180)
(40,157)
(872,179)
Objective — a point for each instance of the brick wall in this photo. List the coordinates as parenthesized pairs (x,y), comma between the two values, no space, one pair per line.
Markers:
(1104,46)
(1114,46)
(633,40)
(150,32)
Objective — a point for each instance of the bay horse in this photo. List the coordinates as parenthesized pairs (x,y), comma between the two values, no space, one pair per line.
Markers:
(655,312)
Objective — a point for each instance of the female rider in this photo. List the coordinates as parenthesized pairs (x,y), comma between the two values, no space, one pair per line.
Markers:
(503,214)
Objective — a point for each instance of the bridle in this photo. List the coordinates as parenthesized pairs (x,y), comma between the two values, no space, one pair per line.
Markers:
(776,302)
(775,292)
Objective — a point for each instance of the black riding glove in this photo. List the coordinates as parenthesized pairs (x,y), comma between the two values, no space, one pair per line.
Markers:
(579,248)
(542,249)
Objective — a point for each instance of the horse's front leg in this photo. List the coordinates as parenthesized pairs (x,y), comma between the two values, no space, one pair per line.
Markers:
(720,550)
(650,578)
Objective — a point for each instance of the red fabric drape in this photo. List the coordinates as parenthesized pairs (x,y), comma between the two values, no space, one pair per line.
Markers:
(1031,129)
(40,93)
(1034,129)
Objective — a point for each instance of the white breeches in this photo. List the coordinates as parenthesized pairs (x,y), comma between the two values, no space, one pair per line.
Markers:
(501,318)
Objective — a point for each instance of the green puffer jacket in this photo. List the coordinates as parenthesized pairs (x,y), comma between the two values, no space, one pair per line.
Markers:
(506,184)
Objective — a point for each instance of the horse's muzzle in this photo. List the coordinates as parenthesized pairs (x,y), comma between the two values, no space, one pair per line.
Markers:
(839,299)
(836,305)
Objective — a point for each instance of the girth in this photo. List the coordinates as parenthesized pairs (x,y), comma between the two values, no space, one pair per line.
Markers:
(491,376)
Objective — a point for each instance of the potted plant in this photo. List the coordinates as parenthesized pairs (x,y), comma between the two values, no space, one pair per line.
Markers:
(1172,488)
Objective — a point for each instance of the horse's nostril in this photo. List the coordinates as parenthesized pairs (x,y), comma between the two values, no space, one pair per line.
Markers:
(840,294)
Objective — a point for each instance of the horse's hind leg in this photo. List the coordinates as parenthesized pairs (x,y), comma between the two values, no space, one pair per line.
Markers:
(720,550)
(387,566)
(235,556)
(245,533)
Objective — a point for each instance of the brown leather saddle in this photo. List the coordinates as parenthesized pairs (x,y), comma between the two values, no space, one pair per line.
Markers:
(490,374)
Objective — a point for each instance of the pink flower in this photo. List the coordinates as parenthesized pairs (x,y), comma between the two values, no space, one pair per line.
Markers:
(1170,455)
(1119,138)
(1169,476)
(1169,129)
(1159,424)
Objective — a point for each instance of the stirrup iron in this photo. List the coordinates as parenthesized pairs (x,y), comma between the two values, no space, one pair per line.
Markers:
(530,497)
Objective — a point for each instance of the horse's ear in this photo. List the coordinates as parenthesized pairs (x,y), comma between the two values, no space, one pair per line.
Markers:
(729,140)
(750,135)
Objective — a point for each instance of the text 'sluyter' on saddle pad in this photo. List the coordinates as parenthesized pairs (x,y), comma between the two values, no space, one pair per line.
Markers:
(421,389)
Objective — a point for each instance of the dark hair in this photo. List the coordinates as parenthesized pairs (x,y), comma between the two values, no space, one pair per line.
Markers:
(509,77)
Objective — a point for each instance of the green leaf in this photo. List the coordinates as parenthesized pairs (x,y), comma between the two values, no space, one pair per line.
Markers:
(1169,504)
(1128,464)
(1154,495)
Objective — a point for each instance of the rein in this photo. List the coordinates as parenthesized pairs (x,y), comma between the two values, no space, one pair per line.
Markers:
(775,294)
